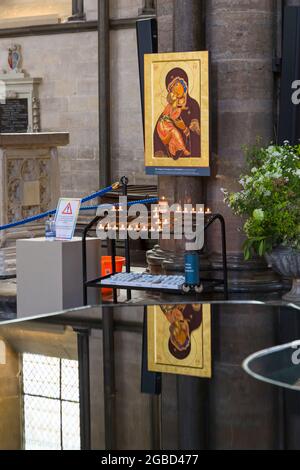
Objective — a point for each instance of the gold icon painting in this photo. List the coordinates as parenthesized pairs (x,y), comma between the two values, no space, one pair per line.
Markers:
(177,113)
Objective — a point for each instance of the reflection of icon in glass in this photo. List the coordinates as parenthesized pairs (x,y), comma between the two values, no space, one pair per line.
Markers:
(177,132)
(183,319)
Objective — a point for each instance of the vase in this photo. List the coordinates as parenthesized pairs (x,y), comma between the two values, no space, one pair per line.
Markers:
(286,262)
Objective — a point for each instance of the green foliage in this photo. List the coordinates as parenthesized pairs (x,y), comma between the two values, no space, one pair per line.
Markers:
(269,198)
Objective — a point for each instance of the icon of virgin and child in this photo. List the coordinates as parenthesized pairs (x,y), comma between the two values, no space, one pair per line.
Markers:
(183,320)
(177,132)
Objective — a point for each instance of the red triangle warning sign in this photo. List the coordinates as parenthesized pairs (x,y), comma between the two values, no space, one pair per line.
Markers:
(68,209)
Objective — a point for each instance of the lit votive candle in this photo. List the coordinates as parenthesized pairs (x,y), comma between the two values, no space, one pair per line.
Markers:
(163,205)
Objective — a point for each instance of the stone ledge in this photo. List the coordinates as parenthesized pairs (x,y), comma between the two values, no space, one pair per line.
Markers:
(62,28)
(38,139)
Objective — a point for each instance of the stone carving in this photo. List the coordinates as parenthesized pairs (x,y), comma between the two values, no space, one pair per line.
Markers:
(36,121)
(14,58)
(23,175)
(29,184)
(18,85)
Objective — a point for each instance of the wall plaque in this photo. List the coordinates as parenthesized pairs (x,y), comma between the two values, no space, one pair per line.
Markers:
(14,116)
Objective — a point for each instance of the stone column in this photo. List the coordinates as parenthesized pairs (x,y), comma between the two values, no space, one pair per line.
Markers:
(240,37)
(180,29)
(241,40)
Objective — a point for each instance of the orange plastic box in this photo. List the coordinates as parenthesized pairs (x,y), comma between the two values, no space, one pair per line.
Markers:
(106,268)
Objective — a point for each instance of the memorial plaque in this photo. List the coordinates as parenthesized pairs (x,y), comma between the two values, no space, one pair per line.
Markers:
(14,116)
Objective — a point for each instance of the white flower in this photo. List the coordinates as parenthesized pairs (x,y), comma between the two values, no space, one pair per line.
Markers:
(298,172)
(258,215)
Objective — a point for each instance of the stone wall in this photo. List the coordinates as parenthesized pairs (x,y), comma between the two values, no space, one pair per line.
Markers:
(22,8)
(69,98)
(91,9)
(127,127)
(125,8)
(165,13)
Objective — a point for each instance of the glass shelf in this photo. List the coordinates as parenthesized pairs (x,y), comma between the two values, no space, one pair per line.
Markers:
(92,312)
(77,335)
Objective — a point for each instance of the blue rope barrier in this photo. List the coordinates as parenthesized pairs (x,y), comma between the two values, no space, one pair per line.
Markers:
(86,208)
(34,218)
(145,201)
(152,200)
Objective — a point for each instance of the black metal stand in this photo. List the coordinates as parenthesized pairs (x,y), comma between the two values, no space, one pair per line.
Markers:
(112,249)
(207,282)
(83,335)
(124,182)
(211,220)
(150,382)
(109,379)
(84,258)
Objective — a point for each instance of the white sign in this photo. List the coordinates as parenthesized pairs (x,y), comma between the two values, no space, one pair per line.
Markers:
(66,218)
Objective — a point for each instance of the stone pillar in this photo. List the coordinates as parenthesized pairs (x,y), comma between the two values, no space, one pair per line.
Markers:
(242,413)
(180,29)
(240,39)
(165,19)
(180,25)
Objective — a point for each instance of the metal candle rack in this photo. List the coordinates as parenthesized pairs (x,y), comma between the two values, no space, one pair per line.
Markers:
(97,283)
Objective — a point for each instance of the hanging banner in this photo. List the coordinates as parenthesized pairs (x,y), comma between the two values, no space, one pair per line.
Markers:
(66,218)
(177,114)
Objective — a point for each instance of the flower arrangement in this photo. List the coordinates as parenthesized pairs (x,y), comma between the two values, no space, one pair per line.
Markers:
(269,198)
